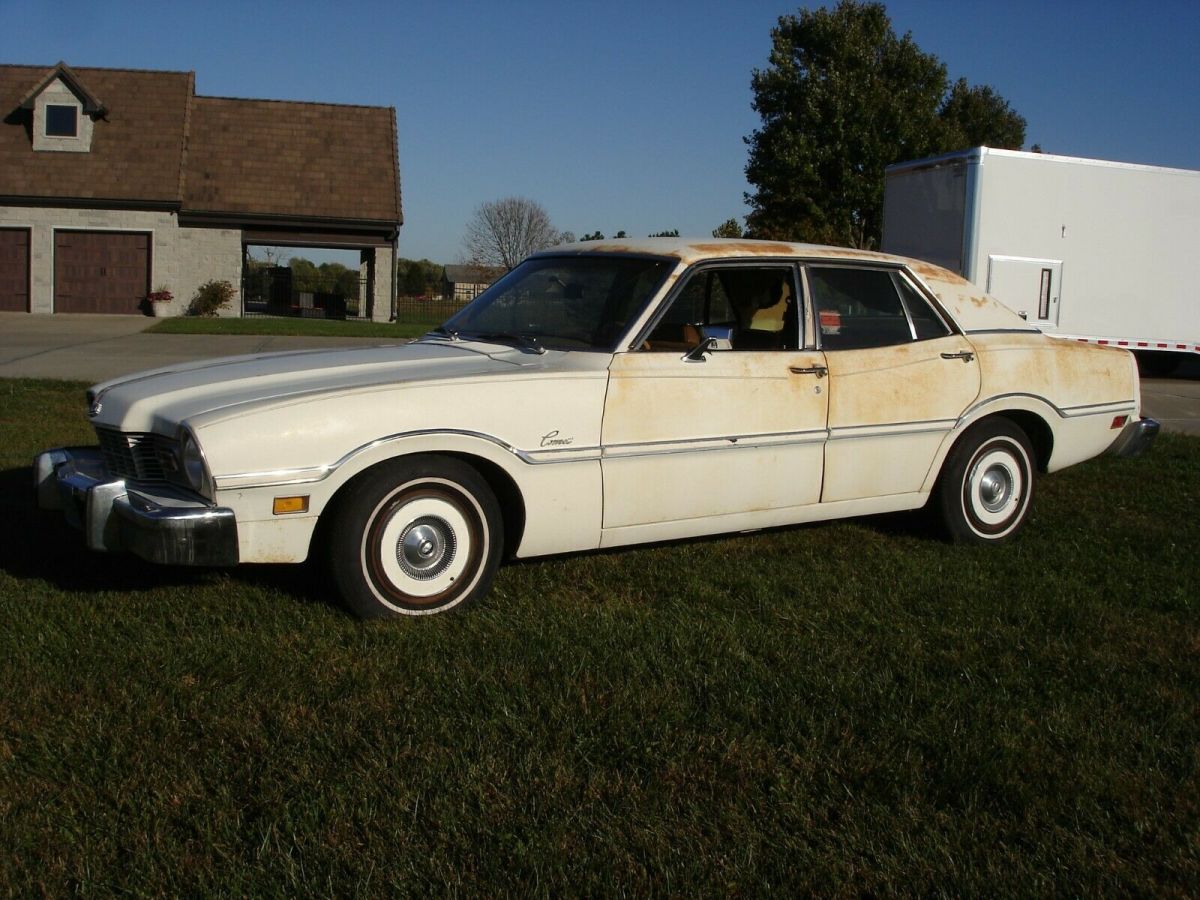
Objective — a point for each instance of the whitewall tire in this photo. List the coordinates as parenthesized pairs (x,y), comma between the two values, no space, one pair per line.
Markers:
(415,536)
(986,487)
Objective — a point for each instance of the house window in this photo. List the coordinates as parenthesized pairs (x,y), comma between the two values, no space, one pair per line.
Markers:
(62,120)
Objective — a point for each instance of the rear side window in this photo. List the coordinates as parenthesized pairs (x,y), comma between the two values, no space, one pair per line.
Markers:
(863,308)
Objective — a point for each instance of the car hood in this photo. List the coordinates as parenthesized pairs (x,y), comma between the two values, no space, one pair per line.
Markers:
(160,399)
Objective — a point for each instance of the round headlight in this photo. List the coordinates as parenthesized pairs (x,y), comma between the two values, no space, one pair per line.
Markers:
(193,463)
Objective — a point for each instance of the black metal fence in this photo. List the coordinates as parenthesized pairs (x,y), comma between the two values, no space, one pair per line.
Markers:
(278,291)
(426,310)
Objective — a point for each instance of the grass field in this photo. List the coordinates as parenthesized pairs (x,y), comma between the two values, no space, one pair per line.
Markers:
(853,708)
(290,326)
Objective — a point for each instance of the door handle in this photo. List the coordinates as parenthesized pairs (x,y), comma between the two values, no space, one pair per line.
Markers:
(965,355)
(819,371)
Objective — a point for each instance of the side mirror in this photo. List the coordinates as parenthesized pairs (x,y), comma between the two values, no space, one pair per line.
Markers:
(712,337)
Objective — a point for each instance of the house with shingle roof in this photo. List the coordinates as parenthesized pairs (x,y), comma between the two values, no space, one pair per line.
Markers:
(464,283)
(115,182)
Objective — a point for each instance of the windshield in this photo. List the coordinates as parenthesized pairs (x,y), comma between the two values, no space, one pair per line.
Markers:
(563,302)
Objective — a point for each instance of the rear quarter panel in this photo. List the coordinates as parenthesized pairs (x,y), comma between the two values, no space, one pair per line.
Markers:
(1078,389)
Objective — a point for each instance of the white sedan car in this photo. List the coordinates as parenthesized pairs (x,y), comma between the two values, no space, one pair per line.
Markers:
(599,395)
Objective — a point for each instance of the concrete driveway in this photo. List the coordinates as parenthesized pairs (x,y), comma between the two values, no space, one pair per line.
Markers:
(1175,401)
(95,348)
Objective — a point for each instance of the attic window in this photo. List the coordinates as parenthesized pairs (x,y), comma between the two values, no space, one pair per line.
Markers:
(62,120)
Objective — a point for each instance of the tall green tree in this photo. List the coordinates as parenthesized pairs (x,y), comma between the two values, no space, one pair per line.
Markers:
(730,228)
(305,274)
(974,116)
(418,276)
(842,98)
(414,281)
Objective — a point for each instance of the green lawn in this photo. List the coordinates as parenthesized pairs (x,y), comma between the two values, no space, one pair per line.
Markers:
(292,326)
(853,708)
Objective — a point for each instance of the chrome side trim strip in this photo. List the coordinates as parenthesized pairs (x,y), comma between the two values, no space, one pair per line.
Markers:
(1029,330)
(893,429)
(1069,412)
(314,474)
(720,440)
(1097,409)
(280,477)
(311,475)
(708,445)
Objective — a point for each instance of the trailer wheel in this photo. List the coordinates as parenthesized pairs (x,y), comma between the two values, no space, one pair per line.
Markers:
(986,485)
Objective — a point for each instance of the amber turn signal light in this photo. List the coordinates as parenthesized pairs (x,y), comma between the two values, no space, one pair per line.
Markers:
(284,505)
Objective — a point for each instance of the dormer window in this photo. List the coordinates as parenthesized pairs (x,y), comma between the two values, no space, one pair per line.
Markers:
(64,112)
(62,120)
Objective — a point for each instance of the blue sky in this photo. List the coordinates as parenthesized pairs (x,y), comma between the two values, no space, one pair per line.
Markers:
(622,115)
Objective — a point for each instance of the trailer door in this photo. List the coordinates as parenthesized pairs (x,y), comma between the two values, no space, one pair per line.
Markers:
(1030,287)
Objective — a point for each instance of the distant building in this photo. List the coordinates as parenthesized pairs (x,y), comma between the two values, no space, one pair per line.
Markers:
(114,182)
(464,283)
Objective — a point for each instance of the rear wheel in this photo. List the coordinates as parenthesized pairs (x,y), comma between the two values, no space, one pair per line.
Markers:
(986,485)
(415,536)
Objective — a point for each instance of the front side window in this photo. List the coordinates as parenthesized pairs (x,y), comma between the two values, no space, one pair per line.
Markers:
(755,305)
(863,308)
(62,120)
(565,303)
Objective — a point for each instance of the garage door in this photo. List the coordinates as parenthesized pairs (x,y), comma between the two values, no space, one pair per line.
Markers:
(14,269)
(101,271)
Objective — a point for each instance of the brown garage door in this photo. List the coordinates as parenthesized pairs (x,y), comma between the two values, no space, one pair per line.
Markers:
(14,269)
(101,271)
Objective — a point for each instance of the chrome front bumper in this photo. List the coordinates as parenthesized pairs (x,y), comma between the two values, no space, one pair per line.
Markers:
(1135,438)
(161,524)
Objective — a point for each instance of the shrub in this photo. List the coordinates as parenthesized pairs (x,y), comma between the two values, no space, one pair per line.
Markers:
(210,297)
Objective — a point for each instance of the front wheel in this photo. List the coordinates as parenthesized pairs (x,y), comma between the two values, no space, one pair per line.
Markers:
(415,536)
(986,486)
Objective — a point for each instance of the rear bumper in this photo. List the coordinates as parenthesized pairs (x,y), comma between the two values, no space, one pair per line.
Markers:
(161,524)
(1135,438)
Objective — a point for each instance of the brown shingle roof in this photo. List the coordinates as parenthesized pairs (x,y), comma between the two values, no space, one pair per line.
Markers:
(471,274)
(92,105)
(159,143)
(136,147)
(271,157)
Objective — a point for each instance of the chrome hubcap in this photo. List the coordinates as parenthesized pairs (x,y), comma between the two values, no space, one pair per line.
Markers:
(426,548)
(995,487)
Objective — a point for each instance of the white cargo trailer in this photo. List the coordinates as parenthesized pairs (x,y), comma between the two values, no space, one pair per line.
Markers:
(1097,251)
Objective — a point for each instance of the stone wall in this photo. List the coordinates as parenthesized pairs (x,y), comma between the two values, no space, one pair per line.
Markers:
(181,259)
(206,254)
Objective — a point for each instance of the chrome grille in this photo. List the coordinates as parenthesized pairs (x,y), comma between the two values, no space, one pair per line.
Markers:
(138,456)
